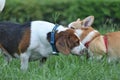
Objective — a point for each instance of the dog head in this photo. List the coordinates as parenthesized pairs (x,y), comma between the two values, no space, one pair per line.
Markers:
(83,27)
(67,42)
(85,31)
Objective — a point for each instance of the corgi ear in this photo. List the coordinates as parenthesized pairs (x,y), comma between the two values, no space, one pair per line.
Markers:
(78,19)
(87,22)
(75,24)
(2,4)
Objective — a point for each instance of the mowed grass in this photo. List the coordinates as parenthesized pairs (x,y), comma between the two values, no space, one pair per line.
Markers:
(62,67)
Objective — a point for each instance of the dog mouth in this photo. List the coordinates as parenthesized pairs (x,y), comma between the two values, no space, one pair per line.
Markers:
(82,52)
(79,50)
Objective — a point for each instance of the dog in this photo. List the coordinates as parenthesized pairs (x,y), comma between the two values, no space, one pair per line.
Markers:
(2,4)
(36,40)
(99,45)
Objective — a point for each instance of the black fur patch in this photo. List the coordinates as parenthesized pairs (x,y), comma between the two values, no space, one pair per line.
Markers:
(11,34)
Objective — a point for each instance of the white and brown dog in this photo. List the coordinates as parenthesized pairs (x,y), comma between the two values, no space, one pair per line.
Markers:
(98,44)
(36,40)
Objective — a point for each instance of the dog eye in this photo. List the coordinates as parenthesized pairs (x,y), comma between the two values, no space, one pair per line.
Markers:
(72,28)
(77,42)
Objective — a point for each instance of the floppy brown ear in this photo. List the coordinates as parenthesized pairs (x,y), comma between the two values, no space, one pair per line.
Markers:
(87,22)
(62,46)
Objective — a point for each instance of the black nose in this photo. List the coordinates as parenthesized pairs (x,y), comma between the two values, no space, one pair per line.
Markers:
(84,51)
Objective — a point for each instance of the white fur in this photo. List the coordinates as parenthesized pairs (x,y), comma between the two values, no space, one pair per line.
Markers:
(8,57)
(16,55)
(2,4)
(39,40)
(39,45)
(81,46)
(61,28)
(70,25)
(89,36)
(24,60)
(79,32)
(78,49)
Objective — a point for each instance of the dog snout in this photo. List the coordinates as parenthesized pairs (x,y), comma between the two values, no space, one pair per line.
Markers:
(85,50)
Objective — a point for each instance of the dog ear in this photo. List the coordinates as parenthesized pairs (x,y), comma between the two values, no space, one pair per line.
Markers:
(78,19)
(75,25)
(62,46)
(87,22)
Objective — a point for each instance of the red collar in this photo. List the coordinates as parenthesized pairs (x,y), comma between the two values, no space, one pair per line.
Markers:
(105,41)
(87,44)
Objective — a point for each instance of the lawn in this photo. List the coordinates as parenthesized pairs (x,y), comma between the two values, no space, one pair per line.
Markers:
(62,68)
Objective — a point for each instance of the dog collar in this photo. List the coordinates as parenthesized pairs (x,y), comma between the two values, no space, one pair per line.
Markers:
(87,43)
(106,43)
(52,39)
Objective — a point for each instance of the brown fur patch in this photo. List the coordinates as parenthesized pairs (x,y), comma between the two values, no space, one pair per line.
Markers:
(66,40)
(97,46)
(3,49)
(86,31)
(113,43)
(76,25)
(25,41)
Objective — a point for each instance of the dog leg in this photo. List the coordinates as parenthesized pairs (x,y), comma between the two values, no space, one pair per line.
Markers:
(99,57)
(7,56)
(43,60)
(112,59)
(24,57)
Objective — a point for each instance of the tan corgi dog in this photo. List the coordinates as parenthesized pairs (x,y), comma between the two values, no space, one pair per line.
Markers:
(99,45)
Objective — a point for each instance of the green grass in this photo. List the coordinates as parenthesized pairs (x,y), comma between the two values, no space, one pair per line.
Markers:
(61,68)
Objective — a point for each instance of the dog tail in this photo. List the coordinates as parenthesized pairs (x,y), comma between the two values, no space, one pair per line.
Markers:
(2,4)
